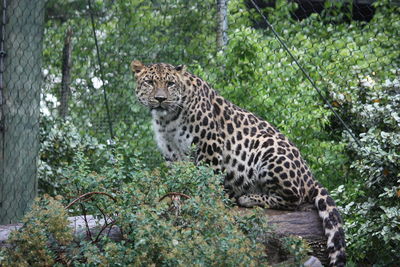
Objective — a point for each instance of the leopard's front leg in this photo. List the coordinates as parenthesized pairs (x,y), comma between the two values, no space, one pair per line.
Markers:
(273,201)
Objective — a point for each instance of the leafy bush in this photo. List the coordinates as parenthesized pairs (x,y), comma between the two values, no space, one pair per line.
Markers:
(205,230)
(371,203)
(60,142)
(44,235)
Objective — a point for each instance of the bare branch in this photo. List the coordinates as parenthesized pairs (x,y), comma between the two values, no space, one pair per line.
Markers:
(89,195)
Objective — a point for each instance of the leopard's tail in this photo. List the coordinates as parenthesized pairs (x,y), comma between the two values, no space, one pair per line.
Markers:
(332,223)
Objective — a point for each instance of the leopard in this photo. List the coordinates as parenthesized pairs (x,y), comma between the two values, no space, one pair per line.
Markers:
(262,167)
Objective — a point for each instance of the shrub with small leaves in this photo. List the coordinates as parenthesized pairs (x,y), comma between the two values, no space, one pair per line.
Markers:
(372,203)
(60,142)
(44,235)
(203,228)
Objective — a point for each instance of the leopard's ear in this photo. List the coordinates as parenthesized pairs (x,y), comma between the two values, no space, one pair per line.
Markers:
(137,66)
(180,68)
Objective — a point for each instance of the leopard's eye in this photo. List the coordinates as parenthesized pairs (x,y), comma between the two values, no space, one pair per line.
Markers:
(170,84)
(149,82)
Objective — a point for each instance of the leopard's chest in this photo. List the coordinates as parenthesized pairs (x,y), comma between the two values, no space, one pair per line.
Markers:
(172,137)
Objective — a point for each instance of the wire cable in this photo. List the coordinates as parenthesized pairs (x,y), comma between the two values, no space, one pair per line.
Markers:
(101,72)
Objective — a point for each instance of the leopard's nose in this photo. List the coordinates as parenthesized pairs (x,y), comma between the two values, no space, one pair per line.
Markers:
(160,95)
(160,98)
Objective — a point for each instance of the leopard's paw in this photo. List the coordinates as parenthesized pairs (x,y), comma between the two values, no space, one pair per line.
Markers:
(251,201)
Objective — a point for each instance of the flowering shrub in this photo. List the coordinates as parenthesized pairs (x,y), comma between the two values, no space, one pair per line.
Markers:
(371,203)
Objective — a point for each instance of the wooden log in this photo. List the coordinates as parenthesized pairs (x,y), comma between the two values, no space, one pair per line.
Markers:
(78,225)
(305,224)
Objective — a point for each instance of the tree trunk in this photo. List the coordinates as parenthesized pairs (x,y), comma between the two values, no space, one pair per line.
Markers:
(19,139)
(66,74)
(222,35)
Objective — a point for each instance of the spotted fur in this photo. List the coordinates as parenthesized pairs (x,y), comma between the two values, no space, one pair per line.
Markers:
(263,168)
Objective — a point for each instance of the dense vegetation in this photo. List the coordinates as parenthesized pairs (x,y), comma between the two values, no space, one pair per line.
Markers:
(203,230)
(355,64)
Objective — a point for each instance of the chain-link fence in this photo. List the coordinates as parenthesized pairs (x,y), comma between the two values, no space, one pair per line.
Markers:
(296,74)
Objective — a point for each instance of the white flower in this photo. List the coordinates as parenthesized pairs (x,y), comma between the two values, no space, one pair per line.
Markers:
(110,142)
(395,116)
(97,82)
(385,135)
(368,82)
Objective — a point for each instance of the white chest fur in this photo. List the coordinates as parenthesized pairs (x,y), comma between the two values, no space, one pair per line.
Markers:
(173,139)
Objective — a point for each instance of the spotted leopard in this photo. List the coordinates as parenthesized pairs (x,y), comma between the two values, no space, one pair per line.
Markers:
(263,168)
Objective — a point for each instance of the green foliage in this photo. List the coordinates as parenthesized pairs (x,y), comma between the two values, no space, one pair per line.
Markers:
(371,203)
(208,230)
(60,144)
(45,234)
(296,247)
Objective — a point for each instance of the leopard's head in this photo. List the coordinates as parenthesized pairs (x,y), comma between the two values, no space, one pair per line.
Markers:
(159,86)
